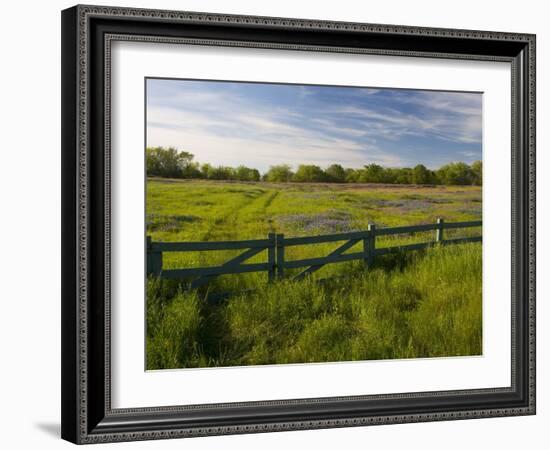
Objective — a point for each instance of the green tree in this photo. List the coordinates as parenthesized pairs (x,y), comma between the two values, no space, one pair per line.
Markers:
(167,162)
(477,170)
(222,173)
(390,175)
(455,173)
(243,173)
(279,174)
(420,175)
(191,170)
(372,173)
(308,173)
(351,175)
(335,173)
(404,175)
(255,175)
(210,172)
(207,171)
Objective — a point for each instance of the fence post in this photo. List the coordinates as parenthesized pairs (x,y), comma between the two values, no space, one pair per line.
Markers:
(154,259)
(271,257)
(280,246)
(366,249)
(369,245)
(439,231)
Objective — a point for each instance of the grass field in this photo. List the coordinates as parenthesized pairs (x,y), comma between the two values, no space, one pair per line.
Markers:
(419,304)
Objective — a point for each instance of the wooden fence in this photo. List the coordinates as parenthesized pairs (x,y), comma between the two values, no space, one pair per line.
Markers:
(275,245)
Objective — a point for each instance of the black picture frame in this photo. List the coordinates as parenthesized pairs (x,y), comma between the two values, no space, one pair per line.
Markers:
(87,416)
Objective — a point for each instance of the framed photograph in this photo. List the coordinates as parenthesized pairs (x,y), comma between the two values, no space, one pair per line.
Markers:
(277,224)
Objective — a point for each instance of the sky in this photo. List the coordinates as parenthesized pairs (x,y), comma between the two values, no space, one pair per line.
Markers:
(263,124)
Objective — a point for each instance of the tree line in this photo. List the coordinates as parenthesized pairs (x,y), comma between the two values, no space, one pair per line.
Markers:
(171,163)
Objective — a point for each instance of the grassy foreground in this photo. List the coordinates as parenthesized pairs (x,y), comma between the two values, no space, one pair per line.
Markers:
(419,304)
(199,210)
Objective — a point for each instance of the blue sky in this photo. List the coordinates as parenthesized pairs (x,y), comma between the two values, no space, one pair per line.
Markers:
(260,124)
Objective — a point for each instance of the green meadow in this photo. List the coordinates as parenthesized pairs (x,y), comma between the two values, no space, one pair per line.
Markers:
(408,305)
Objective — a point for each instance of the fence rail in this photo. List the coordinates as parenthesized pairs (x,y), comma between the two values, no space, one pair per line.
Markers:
(275,245)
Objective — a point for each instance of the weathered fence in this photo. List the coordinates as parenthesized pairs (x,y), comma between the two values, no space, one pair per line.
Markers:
(205,274)
(275,245)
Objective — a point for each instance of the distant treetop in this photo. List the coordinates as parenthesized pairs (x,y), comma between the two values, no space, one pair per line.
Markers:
(171,163)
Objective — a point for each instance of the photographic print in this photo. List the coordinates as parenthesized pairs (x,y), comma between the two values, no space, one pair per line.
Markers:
(305,224)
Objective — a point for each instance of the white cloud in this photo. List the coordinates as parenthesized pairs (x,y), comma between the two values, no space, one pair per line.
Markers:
(255,141)
(230,127)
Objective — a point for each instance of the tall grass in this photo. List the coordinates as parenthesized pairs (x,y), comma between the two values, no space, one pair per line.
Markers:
(416,304)
(196,210)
